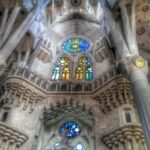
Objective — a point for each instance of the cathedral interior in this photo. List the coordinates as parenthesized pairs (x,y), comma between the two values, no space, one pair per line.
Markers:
(74,75)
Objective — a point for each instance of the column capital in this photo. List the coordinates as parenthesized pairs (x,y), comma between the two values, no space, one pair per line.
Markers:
(130,63)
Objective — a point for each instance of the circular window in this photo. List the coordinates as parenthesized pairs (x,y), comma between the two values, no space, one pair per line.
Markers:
(79,147)
(75,45)
(71,128)
(76,2)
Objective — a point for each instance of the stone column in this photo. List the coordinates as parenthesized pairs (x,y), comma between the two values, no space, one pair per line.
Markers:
(128,145)
(141,92)
(135,144)
(139,83)
(4,20)
(8,48)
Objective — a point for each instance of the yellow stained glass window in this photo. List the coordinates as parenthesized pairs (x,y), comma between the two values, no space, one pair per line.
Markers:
(66,73)
(79,73)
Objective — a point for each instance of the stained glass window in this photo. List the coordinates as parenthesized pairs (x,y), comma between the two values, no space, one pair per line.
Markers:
(63,61)
(56,73)
(75,45)
(61,70)
(79,73)
(88,73)
(72,129)
(84,70)
(79,146)
(66,73)
(84,61)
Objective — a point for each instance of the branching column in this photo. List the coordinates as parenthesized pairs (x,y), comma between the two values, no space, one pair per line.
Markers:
(132,65)
(141,92)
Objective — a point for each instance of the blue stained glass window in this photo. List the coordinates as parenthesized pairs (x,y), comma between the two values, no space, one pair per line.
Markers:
(75,45)
(71,128)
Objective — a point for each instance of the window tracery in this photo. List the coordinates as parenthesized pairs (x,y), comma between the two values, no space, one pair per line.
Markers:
(75,45)
(72,129)
(62,69)
(83,70)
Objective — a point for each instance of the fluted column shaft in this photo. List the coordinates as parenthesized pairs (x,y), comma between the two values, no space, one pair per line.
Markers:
(141,92)
(10,22)
(17,36)
(4,20)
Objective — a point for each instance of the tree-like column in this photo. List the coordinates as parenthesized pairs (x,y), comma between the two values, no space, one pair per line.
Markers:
(132,65)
